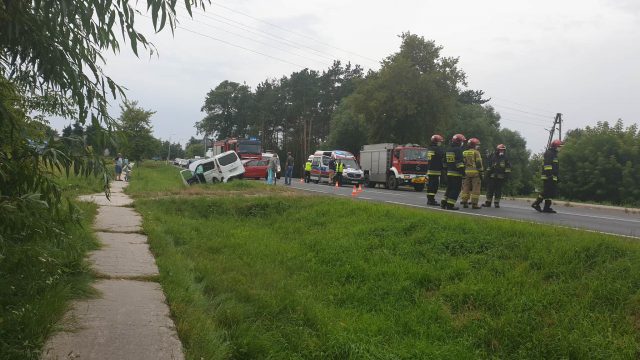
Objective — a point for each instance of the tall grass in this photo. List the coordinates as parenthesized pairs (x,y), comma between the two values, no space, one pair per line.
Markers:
(324,278)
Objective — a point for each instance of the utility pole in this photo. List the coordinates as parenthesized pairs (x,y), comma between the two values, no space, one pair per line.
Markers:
(557,124)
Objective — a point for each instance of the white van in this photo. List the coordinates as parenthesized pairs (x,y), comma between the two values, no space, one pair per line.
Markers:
(220,168)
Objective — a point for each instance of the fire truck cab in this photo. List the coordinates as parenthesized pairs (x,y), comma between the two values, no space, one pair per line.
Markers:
(245,148)
(394,165)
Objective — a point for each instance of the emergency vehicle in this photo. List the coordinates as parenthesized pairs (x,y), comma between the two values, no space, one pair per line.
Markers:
(245,148)
(320,172)
(393,165)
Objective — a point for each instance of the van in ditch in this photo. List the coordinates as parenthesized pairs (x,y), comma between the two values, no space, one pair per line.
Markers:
(220,168)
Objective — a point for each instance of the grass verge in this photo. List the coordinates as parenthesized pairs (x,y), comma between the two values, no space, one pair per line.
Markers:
(38,278)
(289,277)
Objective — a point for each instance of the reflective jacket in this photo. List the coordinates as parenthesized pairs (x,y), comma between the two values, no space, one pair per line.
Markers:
(550,168)
(498,167)
(340,167)
(472,162)
(454,161)
(307,166)
(435,158)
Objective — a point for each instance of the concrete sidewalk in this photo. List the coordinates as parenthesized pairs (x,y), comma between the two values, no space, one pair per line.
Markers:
(130,319)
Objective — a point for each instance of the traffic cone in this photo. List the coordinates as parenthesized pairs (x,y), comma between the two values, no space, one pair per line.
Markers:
(337,185)
(359,188)
(354,192)
(301,179)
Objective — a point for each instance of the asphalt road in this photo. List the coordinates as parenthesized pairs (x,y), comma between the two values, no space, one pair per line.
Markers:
(610,221)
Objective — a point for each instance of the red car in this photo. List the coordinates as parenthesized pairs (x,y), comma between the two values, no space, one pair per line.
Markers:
(256,169)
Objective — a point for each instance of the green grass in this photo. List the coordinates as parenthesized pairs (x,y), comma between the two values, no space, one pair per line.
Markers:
(38,278)
(156,178)
(303,277)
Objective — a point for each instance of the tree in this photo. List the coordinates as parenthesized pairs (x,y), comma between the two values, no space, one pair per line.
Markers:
(601,163)
(194,150)
(135,129)
(228,108)
(414,93)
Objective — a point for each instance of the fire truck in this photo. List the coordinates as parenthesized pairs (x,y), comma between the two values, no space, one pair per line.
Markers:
(246,148)
(393,165)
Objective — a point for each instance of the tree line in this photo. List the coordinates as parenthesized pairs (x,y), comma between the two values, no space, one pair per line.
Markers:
(416,93)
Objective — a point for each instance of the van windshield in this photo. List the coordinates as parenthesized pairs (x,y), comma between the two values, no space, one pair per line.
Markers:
(414,154)
(350,164)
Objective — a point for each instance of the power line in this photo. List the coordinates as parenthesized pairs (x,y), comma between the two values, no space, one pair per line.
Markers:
(232,44)
(523,111)
(259,42)
(521,104)
(522,122)
(259,32)
(294,32)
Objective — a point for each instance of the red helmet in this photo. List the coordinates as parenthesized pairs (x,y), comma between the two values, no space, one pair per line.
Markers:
(436,139)
(473,142)
(458,139)
(501,147)
(556,144)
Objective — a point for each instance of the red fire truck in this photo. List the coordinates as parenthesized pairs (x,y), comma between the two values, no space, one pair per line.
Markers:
(246,148)
(394,165)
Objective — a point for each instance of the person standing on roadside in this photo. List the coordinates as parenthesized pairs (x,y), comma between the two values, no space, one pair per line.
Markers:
(289,172)
(455,172)
(119,162)
(498,170)
(307,170)
(472,174)
(550,171)
(273,170)
(435,158)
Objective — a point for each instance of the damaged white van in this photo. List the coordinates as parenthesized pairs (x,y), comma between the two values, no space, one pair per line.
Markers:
(220,168)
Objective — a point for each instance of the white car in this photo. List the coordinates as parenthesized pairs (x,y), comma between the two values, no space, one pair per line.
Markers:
(221,168)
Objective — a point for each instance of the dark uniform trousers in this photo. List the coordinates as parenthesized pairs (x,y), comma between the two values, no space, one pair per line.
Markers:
(433,184)
(494,189)
(454,186)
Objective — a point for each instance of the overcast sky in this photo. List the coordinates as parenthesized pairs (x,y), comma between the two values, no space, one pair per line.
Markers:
(533,58)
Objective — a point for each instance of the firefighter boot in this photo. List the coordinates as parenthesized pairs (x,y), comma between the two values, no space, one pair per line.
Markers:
(496,204)
(465,204)
(443,203)
(536,204)
(487,203)
(431,200)
(547,207)
(475,206)
(452,207)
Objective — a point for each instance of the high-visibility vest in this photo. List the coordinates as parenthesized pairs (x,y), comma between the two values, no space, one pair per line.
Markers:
(472,162)
(307,166)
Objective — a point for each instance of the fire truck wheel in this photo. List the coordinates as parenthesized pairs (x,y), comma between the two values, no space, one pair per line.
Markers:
(392,183)
(419,187)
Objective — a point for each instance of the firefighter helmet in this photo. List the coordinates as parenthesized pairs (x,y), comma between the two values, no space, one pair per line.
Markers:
(473,142)
(501,147)
(556,144)
(458,139)
(436,139)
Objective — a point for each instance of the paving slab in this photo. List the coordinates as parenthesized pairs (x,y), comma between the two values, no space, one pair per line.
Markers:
(123,255)
(118,186)
(116,199)
(117,219)
(130,321)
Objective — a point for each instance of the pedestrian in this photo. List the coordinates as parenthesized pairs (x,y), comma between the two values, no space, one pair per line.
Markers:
(550,171)
(435,158)
(472,174)
(119,162)
(454,161)
(289,169)
(273,170)
(307,170)
(498,171)
(332,171)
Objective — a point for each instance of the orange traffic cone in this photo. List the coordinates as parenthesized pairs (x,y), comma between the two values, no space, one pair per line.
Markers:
(359,188)
(337,185)
(354,192)
(301,179)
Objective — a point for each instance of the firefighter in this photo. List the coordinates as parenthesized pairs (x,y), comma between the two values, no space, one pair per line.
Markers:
(498,171)
(307,170)
(455,171)
(435,157)
(549,177)
(472,174)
